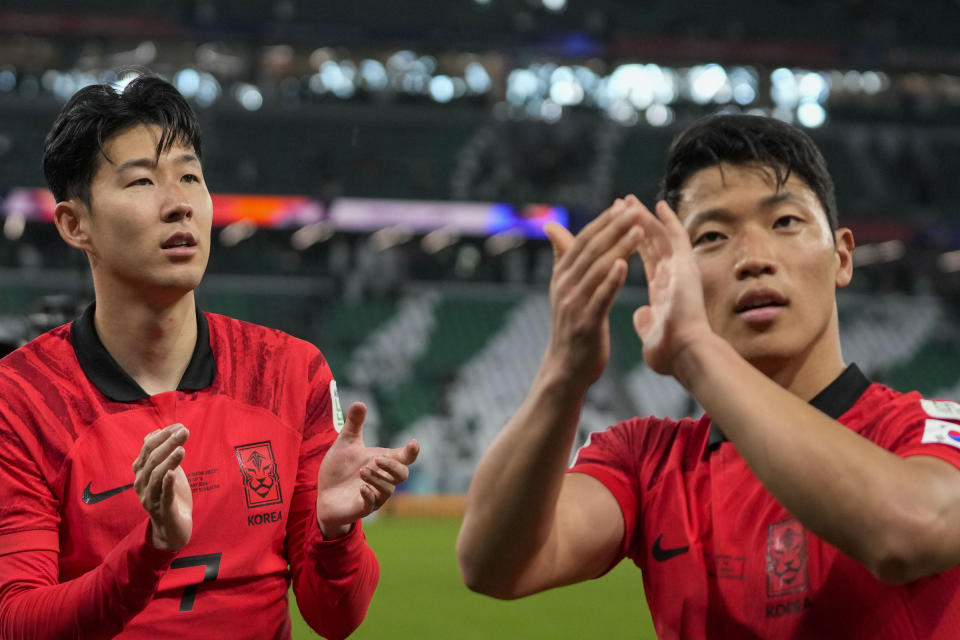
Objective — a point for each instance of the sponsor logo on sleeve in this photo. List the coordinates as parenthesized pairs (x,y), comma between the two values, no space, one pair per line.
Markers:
(943,409)
(261,480)
(941,432)
(335,406)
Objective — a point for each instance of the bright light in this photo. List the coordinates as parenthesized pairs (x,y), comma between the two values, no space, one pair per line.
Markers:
(248,96)
(208,90)
(522,84)
(871,82)
(784,90)
(550,111)
(813,87)
(624,113)
(706,82)
(374,75)
(187,82)
(811,114)
(335,78)
(478,80)
(744,94)
(782,113)
(555,5)
(659,115)
(564,88)
(441,89)
(744,84)
(631,81)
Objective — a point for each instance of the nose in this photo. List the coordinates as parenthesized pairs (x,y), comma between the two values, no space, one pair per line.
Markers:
(755,254)
(176,205)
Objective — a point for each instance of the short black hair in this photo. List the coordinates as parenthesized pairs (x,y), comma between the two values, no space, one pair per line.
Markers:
(73,148)
(743,139)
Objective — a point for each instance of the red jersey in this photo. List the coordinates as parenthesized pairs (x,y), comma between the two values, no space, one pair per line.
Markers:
(74,553)
(722,559)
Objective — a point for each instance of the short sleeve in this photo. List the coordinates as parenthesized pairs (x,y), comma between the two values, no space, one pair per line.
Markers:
(609,457)
(930,428)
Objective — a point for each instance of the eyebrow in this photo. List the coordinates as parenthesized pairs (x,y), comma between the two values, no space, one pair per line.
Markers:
(724,215)
(151,163)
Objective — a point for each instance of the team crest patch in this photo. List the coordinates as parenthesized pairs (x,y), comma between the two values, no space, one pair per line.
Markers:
(261,480)
(943,409)
(941,432)
(786,558)
(335,406)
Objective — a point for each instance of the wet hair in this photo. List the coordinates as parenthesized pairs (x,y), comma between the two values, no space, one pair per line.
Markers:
(73,149)
(740,140)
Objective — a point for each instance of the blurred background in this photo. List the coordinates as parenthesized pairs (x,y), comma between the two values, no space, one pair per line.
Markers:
(381,172)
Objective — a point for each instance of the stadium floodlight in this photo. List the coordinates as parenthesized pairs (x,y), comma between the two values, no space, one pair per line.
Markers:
(871,82)
(565,89)
(707,83)
(477,78)
(555,6)
(373,75)
(441,89)
(550,111)
(522,84)
(813,86)
(187,82)
(208,90)
(783,88)
(811,114)
(248,96)
(659,115)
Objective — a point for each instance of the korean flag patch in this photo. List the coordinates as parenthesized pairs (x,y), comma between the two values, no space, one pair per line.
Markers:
(335,407)
(942,432)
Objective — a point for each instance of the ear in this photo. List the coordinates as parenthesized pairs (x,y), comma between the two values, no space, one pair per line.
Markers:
(844,247)
(71,218)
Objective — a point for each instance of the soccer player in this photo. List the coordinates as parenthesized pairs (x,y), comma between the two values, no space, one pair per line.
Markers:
(166,472)
(808,502)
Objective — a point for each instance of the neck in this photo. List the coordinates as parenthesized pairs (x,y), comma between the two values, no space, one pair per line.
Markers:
(152,343)
(807,374)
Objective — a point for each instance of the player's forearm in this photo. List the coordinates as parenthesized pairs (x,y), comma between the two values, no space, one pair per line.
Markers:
(97,604)
(512,498)
(868,502)
(334,581)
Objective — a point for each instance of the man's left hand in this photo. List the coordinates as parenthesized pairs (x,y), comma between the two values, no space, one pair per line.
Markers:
(355,480)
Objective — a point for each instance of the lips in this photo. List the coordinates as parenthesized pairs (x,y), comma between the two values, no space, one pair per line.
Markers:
(759,298)
(179,240)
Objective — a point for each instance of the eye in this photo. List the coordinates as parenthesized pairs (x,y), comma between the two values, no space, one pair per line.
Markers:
(140,182)
(708,237)
(191,178)
(786,221)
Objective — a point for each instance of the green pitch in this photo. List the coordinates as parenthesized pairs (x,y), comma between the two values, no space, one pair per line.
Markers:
(421,596)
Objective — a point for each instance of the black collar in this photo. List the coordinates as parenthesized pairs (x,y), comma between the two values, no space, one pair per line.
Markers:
(115,383)
(834,400)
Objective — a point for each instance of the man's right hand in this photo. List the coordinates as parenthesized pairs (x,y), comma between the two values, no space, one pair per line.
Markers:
(163,489)
(588,272)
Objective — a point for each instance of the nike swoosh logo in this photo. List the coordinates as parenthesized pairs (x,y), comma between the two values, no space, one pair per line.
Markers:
(89,497)
(660,554)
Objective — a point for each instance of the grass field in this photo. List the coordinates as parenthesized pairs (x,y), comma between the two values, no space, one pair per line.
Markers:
(422,597)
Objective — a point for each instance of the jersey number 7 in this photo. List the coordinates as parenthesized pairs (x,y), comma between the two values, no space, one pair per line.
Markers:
(211,562)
